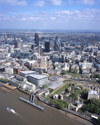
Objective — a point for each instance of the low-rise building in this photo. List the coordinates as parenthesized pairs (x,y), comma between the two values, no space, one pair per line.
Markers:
(46,93)
(26,73)
(93,94)
(28,86)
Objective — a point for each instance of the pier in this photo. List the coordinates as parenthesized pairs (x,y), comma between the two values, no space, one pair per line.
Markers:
(31,102)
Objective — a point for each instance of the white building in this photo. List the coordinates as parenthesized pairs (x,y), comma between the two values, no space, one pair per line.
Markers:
(26,73)
(28,86)
(9,70)
(93,94)
(37,79)
(85,65)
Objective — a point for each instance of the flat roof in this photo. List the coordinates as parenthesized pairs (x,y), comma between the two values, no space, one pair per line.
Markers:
(27,72)
(38,76)
(2,67)
(32,61)
(93,92)
(55,85)
(29,83)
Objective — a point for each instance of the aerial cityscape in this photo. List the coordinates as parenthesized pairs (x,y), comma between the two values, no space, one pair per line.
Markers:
(50,62)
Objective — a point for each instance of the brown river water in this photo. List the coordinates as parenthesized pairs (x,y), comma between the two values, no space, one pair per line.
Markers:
(28,115)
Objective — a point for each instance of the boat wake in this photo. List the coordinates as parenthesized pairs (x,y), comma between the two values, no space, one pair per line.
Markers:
(13,111)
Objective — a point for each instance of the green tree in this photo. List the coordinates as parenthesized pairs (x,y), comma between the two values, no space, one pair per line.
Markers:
(85,91)
(53,102)
(96,109)
(50,90)
(60,105)
(90,107)
(44,86)
(64,72)
(65,103)
(74,96)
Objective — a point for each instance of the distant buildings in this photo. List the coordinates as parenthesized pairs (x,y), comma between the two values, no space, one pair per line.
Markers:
(47,46)
(36,39)
(5,37)
(57,44)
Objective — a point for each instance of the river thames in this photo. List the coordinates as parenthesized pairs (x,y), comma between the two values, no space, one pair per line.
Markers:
(28,115)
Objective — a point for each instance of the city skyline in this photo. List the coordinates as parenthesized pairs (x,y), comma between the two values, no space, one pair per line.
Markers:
(50,14)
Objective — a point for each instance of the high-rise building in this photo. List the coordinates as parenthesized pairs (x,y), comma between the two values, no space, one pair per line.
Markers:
(36,39)
(39,49)
(57,44)
(16,52)
(18,43)
(33,47)
(5,37)
(47,46)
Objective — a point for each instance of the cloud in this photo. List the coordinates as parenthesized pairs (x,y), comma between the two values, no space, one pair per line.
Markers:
(27,19)
(14,2)
(52,18)
(76,19)
(64,16)
(87,2)
(70,1)
(39,3)
(22,3)
(80,15)
(65,12)
(55,2)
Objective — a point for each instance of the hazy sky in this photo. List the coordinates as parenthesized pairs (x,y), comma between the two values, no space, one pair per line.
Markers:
(50,14)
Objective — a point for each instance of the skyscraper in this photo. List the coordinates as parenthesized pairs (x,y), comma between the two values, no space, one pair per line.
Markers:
(32,47)
(36,39)
(57,44)
(18,43)
(5,37)
(47,46)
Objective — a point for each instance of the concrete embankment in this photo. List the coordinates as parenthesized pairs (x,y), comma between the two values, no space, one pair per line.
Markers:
(23,91)
(85,117)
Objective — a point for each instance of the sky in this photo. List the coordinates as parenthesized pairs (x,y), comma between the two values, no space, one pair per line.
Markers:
(50,14)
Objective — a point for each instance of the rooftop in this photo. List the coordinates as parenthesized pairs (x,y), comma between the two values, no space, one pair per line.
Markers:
(28,72)
(29,83)
(93,92)
(38,76)
(55,85)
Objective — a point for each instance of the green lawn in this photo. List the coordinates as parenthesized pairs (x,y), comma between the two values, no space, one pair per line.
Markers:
(74,75)
(62,88)
(66,80)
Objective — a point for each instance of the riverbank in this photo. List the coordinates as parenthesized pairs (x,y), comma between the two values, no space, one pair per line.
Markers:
(71,116)
(85,122)
(76,114)
(23,91)
(27,115)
